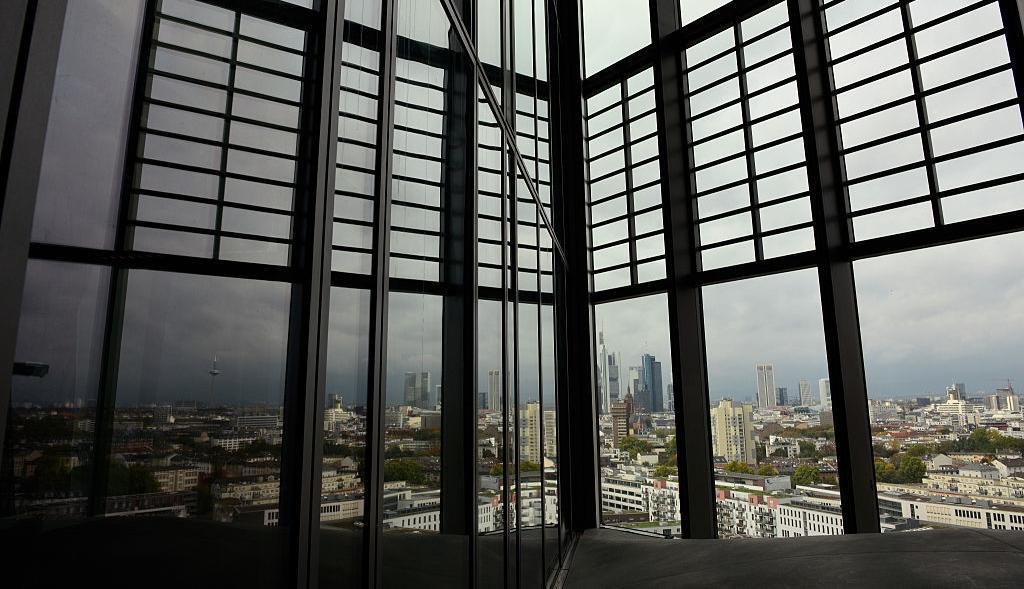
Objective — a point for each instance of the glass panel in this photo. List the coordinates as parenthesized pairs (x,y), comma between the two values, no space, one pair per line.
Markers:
(83,156)
(491,437)
(342,520)
(197,421)
(639,476)
(48,453)
(773,442)
(613,29)
(937,403)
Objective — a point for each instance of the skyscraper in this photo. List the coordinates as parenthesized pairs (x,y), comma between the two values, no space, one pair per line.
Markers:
(824,393)
(652,383)
(622,412)
(533,425)
(782,396)
(636,386)
(603,375)
(732,431)
(494,390)
(765,374)
(806,399)
(614,390)
(417,389)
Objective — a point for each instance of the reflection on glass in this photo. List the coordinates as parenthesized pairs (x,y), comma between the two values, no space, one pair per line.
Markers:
(197,418)
(772,429)
(491,433)
(342,492)
(48,453)
(83,157)
(941,339)
(636,423)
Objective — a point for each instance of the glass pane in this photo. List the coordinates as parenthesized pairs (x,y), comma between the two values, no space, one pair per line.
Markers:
(83,157)
(48,452)
(953,392)
(613,29)
(639,470)
(773,441)
(197,422)
(342,520)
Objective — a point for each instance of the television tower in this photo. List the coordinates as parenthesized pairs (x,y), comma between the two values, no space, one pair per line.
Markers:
(214,373)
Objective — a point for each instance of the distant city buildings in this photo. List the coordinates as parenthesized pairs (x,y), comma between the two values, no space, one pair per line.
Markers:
(622,413)
(806,398)
(494,390)
(417,390)
(765,379)
(824,393)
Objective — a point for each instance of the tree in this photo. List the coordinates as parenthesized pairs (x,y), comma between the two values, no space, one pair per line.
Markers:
(919,450)
(767,470)
(806,475)
(912,469)
(664,471)
(528,466)
(739,467)
(406,470)
(131,480)
(807,449)
(634,446)
(884,471)
(780,453)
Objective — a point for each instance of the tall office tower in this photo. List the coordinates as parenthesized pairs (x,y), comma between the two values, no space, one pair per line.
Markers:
(953,393)
(1012,402)
(614,390)
(824,394)
(437,396)
(532,427)
(622,412)
(732,431)
(782,396)
(765,374)
(994,402)
(641,397)
(417,389)
(494,390)
(603,375)
(550,434)
(806,399)
(652,383)
(670,401)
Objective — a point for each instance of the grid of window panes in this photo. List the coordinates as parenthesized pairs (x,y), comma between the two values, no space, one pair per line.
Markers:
(219,136)
(928,112)
(747,155)
(627,241)
(355,179)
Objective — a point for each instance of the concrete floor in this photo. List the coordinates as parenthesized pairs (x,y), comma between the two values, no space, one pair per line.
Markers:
(933,558)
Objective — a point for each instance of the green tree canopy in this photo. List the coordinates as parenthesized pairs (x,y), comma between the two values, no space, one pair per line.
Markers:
(739,467)
(912,469)
(664,471)
(635,446)
(767,470)
(406,470)
(806,474)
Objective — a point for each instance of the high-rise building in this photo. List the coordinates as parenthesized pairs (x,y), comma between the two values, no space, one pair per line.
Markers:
(532,427)
(824,393)
(622,412)
(550,434)
(417,389)
(652,383)
(732,431)
(782,396)
(614,390)
(956,392)
(806,398)
(635,386)
(603,402)
(494,390)
(994,402)
(765,375)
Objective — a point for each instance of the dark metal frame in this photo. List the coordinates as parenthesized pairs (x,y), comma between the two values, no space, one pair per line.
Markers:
(833,255)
